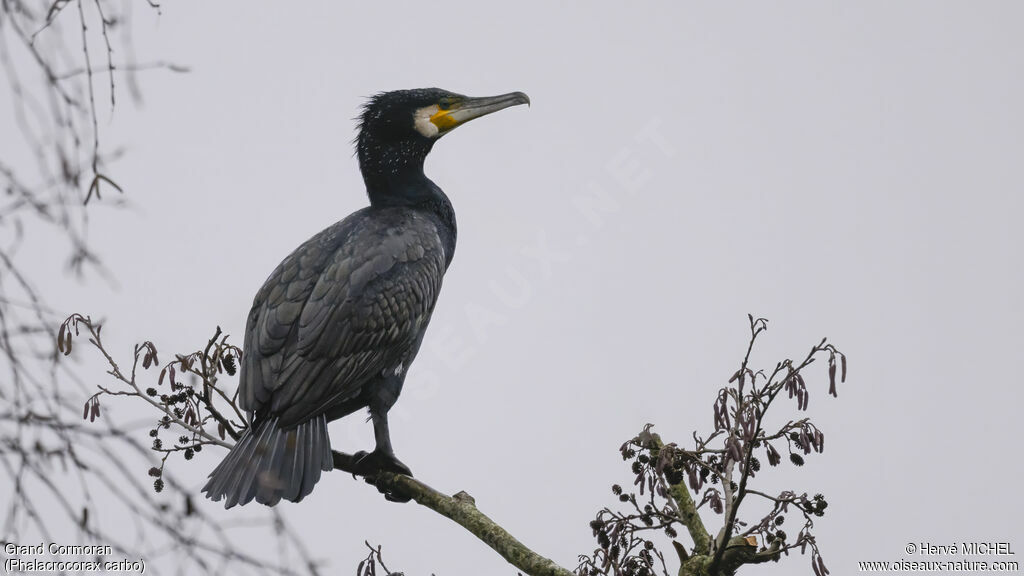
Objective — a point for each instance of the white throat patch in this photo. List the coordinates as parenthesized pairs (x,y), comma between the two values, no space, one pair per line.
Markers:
(423,124)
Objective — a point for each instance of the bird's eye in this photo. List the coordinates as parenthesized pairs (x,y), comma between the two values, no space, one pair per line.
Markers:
(445,103)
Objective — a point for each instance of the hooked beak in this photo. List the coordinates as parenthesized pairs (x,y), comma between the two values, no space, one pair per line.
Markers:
(467,109)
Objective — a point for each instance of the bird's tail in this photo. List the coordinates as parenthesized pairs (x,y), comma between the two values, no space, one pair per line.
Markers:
(269,463)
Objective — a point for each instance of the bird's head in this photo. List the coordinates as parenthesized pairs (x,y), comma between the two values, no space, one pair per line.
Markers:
(398,129)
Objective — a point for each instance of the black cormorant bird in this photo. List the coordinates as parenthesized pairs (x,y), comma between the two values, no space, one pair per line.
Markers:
(336,325)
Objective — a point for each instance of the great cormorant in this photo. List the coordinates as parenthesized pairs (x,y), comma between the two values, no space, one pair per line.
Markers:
(336,325)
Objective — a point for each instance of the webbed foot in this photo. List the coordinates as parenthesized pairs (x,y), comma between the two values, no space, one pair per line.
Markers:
(369,464)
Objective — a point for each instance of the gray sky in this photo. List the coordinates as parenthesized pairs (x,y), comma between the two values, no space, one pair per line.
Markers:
(850,170)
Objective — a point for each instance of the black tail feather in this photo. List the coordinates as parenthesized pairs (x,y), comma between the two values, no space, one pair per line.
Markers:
(268,464)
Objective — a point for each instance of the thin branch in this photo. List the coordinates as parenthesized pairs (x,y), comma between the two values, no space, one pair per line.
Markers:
(127,68)
(461,508)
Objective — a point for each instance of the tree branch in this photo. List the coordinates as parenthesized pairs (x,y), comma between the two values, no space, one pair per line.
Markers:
(461,509)
(686,508)
(664,472)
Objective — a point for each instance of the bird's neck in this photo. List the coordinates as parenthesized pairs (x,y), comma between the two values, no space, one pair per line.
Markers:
(401,182)
(440,208)
(393,170)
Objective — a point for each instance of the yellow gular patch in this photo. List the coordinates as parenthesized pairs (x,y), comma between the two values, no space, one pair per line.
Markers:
(443,120)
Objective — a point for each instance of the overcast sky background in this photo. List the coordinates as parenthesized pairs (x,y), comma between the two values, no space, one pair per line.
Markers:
(846,170)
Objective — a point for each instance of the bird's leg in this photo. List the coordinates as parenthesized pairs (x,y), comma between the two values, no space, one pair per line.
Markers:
(382,457)
(382,435)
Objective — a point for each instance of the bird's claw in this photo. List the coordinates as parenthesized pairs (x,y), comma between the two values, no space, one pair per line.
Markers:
(370,464)
(392,495)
